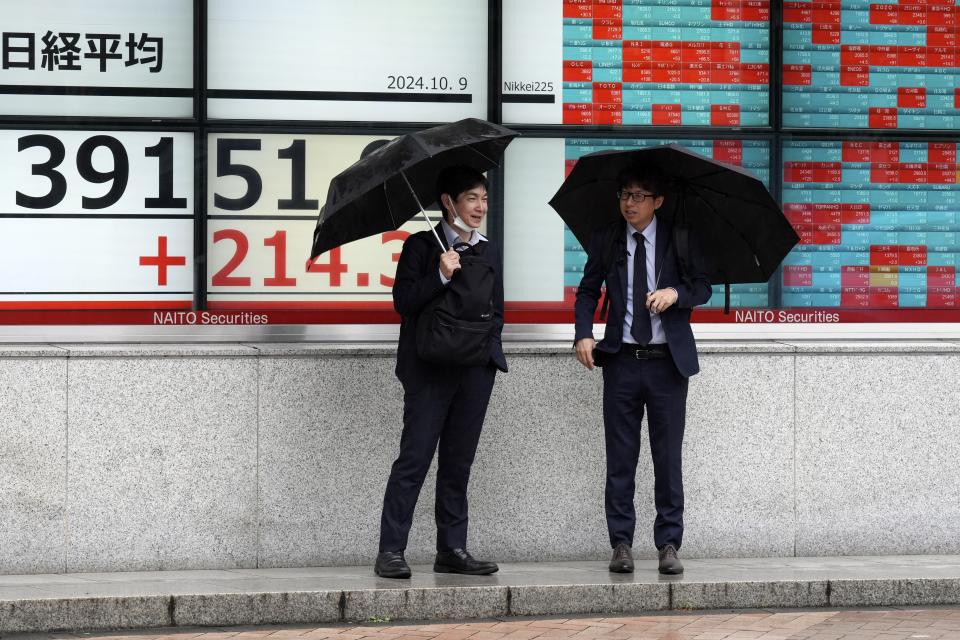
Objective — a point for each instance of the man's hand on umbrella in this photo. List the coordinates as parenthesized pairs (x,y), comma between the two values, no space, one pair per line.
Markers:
(584,349)
(449,262)
(662,299)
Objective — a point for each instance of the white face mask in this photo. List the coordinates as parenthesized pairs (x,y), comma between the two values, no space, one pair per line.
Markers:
(457,221)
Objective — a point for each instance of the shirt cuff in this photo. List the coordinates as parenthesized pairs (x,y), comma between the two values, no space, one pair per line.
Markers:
(445,280)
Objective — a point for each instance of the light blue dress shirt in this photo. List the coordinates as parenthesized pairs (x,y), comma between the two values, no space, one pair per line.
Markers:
(649,236)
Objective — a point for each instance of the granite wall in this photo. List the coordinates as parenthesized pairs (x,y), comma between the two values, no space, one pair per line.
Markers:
(143,457)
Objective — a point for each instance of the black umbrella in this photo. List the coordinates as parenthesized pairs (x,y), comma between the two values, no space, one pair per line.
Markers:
(388,186)
(739,227)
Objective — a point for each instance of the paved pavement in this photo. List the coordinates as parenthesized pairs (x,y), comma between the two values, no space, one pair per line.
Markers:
(890,624)
(339,595)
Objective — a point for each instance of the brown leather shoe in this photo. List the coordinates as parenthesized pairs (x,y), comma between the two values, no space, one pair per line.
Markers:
(670,564)
(622,560)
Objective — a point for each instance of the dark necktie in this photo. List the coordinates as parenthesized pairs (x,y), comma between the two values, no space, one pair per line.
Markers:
(640,330)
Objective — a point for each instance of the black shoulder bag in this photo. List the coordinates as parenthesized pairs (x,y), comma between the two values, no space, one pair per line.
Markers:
(454,328)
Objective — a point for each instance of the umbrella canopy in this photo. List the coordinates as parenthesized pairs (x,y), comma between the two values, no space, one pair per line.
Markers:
(389,186)
(739,227)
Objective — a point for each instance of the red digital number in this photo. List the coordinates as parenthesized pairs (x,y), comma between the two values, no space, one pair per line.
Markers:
(335,268)
(390,236)
(223,278)
(279,243)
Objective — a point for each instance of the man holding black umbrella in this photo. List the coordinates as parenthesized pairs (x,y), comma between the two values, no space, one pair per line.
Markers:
(451,303)
(647,354)
(444,404)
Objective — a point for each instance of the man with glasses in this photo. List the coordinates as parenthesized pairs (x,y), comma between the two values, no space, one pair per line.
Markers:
(647,354)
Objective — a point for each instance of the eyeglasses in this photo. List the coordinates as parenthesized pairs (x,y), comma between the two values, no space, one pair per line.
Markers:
(634,196)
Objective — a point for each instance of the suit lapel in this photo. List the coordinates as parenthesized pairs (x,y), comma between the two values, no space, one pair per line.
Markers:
(622,276)
(620,251)
(664,234)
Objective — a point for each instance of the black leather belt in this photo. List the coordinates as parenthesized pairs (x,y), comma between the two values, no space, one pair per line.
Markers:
(648,352)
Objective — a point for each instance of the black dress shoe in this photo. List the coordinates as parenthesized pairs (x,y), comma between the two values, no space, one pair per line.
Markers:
(670,564)
(390,564)
(622,560)
(459,561)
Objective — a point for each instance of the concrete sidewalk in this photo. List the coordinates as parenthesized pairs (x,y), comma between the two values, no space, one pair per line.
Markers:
(338,594)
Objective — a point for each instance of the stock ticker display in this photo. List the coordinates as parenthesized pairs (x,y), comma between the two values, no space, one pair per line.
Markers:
(750,154)
(878,223)
(666,62)
(860,64)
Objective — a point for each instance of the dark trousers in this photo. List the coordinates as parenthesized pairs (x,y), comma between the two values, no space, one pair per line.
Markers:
(629,385)
(444,415)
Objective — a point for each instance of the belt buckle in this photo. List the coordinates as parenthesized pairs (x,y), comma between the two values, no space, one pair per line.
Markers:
(647,353)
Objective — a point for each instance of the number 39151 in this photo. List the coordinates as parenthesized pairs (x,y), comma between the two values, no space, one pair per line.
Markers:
(118,176)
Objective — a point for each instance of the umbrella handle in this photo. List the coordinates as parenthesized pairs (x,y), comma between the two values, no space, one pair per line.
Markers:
(424,213)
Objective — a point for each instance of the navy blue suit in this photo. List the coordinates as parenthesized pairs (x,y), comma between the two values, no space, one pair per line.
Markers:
(631,385)
(443,405)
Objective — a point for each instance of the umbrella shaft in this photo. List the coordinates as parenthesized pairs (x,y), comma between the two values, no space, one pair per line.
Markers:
(424,213)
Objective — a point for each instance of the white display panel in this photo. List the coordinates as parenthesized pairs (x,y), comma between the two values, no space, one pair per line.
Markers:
(77,260)
(364,60)
(533,232)
(109,58)
(533,61)
(95,219)
(260,227)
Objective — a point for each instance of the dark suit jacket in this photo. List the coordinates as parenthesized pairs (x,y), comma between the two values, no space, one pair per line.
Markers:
(417,282)
(692,291)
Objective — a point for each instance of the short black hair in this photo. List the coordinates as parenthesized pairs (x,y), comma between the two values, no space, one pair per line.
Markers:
(455,180)
(642,174)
